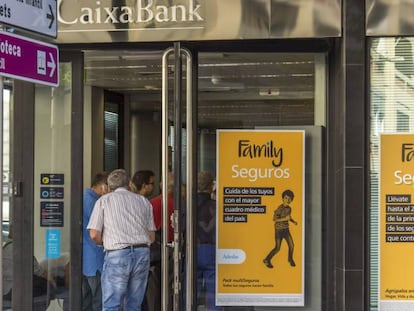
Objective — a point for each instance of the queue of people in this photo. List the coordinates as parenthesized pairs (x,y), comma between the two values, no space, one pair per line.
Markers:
(121,260)
(121,241)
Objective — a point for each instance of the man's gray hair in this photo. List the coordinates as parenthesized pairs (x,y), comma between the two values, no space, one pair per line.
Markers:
(118,178)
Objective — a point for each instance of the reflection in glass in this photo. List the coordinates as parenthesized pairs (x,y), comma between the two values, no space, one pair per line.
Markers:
(392,111)
(52,181)
(7,266)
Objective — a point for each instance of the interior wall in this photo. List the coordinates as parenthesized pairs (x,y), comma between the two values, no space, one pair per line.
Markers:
(87,136)
(146,144)
(207,154)
(97,130)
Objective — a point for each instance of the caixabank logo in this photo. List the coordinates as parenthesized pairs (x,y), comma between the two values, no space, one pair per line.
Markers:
(144,13)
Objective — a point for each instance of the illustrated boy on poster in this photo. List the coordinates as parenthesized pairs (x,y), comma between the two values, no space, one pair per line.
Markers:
(282,217)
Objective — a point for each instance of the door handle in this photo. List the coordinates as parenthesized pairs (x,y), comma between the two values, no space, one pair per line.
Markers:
(17,188)
(189,176)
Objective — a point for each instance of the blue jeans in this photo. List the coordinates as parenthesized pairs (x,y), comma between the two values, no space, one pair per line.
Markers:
(206,274)
(124,279)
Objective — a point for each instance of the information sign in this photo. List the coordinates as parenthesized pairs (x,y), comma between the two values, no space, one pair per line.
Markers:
(51,192)
(35,15)
(28,59)
(51,214)
(52,179)
(53,243)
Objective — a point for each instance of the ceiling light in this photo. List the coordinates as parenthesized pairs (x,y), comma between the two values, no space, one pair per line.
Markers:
(269,92)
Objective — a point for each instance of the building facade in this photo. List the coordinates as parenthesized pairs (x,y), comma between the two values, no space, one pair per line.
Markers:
(150,85)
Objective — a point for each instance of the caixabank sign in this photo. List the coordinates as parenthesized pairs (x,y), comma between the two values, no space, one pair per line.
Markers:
(141,13)
(164,20)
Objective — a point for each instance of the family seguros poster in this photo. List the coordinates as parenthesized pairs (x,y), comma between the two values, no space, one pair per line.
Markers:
(260,218)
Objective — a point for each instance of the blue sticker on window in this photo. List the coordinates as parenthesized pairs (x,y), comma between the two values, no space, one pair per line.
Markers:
(52,243)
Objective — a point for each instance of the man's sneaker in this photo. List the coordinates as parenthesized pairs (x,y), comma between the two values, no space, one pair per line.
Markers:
(292,263)
(267,263)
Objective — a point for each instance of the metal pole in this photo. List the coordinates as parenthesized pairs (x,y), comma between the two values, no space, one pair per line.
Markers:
(189,271)
(177,301)
(177,175)
(164,178)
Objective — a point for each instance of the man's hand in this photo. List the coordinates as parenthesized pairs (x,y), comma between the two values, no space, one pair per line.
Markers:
(151,236)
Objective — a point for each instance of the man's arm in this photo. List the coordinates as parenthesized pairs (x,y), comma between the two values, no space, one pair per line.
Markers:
(96,236)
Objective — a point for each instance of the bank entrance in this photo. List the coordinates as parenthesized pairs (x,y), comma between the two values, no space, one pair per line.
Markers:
(169,112)
(154,108)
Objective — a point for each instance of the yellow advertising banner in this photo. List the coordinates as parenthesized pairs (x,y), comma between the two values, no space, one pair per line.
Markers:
(260,218)
(396,222)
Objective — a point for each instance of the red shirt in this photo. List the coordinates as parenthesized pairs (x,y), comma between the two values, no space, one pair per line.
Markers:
(157,211)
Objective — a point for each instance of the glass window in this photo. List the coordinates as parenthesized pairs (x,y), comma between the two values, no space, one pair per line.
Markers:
(52,193)
(113,130)
(391,112)
(6,217)
(246,91)
(7,102)
(111,140)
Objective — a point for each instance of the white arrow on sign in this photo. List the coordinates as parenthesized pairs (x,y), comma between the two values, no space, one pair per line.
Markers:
(41,19)
(50,16)
(51,65)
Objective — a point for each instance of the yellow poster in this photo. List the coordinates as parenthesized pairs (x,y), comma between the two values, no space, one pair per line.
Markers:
(396,222)
(260,218)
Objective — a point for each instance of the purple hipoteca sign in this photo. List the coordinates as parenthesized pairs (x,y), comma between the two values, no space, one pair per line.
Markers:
(28,59)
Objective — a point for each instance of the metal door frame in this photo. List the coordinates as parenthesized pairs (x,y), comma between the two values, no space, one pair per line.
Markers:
(22,178)
(179,253)
(76,186)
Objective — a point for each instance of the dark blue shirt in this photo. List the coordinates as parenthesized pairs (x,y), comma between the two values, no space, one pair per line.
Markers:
(206,215)
(93,255)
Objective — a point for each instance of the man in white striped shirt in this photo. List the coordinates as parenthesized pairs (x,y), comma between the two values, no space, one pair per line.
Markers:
(123,222)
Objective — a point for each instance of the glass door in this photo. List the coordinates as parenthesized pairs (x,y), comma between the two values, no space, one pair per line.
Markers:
(153,89)
(174,101)
(241,93)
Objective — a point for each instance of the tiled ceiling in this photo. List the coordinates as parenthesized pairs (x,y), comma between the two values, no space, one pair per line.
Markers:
(235,89)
